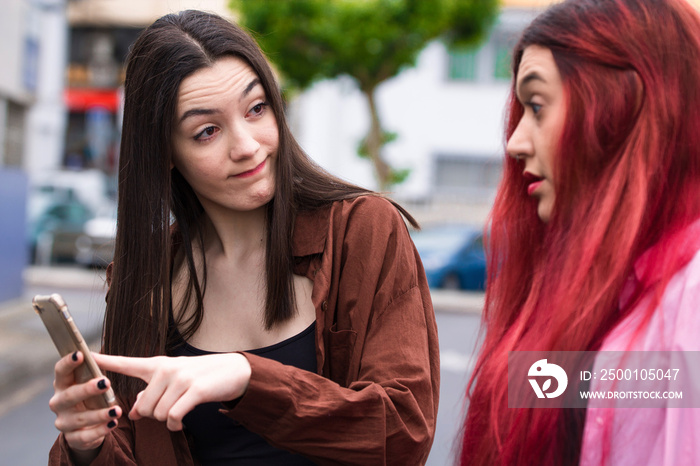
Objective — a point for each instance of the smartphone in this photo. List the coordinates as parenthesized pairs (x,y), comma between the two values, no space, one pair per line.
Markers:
(65,335)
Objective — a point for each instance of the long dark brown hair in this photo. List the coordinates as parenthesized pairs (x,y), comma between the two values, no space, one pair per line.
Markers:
(138,318)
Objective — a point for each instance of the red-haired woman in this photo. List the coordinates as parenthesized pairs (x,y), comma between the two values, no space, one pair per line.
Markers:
(595,230)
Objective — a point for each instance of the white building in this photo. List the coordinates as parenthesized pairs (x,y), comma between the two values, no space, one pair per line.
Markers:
(19,55)
(448,112)
(19,35)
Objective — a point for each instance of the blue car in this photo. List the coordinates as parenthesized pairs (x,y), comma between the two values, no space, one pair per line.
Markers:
(453,256)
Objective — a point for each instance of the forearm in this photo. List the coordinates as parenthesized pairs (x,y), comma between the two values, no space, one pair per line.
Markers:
(367,423)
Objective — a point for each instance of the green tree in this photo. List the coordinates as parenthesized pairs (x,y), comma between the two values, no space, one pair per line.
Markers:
(368,40)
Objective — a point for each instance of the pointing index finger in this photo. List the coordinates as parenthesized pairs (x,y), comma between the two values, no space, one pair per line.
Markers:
(134,367)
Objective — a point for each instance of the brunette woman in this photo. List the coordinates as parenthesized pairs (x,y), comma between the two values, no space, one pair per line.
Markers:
(298,300)
(595,231)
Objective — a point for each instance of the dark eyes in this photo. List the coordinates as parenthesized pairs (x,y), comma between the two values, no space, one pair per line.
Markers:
(209,132)
(258,109)
(206,133)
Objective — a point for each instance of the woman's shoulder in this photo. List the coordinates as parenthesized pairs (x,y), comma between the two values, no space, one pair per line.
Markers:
(683,295)
(370,219)
(362,220)
(368,208)
(692,270)
(675,321)
(680,298)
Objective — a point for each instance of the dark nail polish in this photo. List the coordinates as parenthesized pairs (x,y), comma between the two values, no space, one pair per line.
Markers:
(102,384)
(112,412)
(112,424)
(74,357)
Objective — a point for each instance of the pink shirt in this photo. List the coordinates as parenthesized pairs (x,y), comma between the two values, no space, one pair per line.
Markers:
(653,436)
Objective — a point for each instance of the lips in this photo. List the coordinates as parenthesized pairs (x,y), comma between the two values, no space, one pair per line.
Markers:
(533,182)
(252,172)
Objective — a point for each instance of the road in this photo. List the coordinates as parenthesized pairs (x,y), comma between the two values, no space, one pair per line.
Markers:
(458,334)
(26,423)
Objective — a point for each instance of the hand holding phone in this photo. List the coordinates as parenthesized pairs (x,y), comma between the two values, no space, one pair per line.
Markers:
(68,339)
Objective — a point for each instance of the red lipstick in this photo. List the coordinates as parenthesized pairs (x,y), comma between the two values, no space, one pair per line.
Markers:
(532,187)
(533,182)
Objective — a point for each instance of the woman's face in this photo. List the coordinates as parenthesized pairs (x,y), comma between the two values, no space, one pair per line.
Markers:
(539,89)
(226,137)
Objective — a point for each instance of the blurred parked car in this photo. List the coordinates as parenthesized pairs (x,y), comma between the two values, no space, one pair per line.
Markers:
(70,219)
(95,246)
(56,218)
(453,256)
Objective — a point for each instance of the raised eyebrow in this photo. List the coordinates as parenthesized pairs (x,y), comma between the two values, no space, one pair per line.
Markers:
(251,85)
(197,112)
(209,111)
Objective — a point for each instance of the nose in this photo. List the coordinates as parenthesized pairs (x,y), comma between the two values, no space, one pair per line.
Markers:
(243,143)
(519,144)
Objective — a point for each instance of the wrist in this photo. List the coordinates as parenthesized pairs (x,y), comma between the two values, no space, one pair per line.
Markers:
(84,457)
(244,372)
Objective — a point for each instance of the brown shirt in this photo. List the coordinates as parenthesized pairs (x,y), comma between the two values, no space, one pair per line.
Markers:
(374,400)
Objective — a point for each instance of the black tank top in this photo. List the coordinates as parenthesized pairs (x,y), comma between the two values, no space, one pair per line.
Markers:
(219,440)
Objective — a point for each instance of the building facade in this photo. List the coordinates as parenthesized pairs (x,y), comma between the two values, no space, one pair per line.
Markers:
(447,111)
(101,32)
(20,26)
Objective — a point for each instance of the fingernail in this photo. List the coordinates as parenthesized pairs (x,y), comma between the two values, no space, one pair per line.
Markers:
(113,412)
(74,356)
(102,384)
(112,424)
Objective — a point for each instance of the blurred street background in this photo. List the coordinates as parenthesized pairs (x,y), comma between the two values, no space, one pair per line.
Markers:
(428,131)
(27,357)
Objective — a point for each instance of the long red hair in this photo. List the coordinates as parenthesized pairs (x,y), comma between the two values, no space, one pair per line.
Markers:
(627,176)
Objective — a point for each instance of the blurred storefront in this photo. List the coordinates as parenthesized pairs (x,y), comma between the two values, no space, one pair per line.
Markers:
(93,96)
(101,32)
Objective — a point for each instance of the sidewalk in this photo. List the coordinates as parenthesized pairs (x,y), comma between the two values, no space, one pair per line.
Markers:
(27,352)
(469,302)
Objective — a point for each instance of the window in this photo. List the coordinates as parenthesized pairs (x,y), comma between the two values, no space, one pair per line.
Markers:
(502,66)
(486,62)
(462,64)
(14,135)
(503,41)
(476,176)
